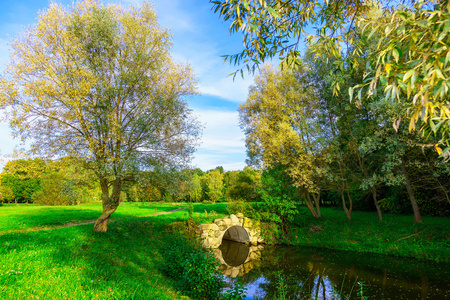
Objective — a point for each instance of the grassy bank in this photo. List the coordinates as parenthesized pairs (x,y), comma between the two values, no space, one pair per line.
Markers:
(124,263)
(395,235)
(77,263)
(23,217)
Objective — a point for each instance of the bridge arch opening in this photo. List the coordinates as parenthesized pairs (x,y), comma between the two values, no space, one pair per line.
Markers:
(237,234)
(234,254)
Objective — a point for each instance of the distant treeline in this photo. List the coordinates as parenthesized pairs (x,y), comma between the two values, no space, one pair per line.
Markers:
(67,181)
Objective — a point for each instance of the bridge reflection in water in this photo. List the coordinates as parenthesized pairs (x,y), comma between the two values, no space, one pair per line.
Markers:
(310,273)
(237,259)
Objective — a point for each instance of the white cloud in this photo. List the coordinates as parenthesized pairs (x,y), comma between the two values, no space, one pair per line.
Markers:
(219,144)
(219,124)
(201,38)
(227,88)
(211,161)
(222,142)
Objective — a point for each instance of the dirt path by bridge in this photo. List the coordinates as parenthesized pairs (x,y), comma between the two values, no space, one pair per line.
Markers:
(78,223)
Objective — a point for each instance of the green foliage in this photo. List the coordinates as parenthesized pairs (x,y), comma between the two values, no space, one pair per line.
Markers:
(133,194)
(273,28)
(23,178)
(6,194)
(61,182)
(56,190)
(246,186)
(244,207)
(410,63)
(167,197)
(194,270)
(196,192)
(212,184)
(404,46)
(236,292)
(395,202)
(278,196)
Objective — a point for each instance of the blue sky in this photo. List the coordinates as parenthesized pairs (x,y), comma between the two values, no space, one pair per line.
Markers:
(199,37)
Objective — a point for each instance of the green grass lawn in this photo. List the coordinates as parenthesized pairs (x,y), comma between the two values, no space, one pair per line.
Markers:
(395,235)
(123,263)
(22,217)
(78,263)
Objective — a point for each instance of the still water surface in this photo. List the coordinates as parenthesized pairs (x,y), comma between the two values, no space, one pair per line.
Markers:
(309,273)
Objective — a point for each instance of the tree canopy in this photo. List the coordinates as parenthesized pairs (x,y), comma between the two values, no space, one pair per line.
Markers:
(98,82)
(408,63)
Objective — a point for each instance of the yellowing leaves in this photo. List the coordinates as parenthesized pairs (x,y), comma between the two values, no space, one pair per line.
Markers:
(98,82)
(276,119)
(413,47)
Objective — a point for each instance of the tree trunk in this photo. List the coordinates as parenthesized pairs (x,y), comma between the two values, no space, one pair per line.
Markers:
(350,200)
(348,213)
(317,203)
(309,205)
(110,203)
(102,223)
(412,198)
(375,201)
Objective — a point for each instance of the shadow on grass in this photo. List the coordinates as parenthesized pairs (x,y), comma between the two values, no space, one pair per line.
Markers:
(35,217)
(78,263)
(49,217)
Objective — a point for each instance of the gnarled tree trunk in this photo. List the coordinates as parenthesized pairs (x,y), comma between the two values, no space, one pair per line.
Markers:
(348,211)
(317,203)
(377,205)
(110,203)
(310,206)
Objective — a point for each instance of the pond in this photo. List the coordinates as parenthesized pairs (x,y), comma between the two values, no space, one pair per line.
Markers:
(310,273)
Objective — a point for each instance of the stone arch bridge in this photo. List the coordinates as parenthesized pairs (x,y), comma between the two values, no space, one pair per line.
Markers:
(236,227)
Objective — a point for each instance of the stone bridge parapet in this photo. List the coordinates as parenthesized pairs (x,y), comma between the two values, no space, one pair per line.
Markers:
(236,227)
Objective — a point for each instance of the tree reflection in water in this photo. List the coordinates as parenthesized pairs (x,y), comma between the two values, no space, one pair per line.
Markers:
(308,273)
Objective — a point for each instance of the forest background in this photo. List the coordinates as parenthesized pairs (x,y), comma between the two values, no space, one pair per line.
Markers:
(306,141)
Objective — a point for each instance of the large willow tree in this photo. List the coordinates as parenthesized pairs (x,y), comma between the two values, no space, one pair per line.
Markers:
(281,129)
(98,82)
(408,61)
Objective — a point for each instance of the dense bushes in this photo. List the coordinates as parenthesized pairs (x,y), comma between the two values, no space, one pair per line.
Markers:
(193,269)
(65,181)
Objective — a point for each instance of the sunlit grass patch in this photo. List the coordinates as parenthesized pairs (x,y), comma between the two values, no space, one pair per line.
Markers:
(395,235)
(78,263)
(33,217)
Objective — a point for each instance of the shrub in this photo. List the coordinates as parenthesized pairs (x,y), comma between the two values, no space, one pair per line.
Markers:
(236,292)
(167,197)
(194,269)
(236,206)
(278,196)
(6,194)
(56,190)
(199,278)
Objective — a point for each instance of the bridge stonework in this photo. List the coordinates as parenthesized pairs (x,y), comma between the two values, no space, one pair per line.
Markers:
(236,227)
